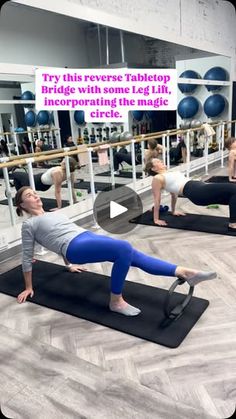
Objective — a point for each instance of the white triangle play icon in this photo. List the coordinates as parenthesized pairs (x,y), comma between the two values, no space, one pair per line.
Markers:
(116,209)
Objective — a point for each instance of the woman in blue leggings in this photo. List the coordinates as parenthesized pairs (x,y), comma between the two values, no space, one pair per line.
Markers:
(58,234)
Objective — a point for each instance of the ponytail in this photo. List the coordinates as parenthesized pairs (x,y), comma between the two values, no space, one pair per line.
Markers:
(19,211)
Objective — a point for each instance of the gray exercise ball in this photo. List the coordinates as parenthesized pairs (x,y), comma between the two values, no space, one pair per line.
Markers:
(184,125)
(195,123)
(126,136)
(115,137)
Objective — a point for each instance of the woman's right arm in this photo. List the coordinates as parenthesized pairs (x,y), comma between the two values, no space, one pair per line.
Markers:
(27,256)
(157,186)
(231,165)
(159,148)
(28,288)
(57,180)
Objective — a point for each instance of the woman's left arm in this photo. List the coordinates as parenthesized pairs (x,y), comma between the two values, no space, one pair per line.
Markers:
(231,163)
(174,198)
(73,190)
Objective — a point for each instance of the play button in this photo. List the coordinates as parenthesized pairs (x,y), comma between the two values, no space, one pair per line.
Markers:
(114,209)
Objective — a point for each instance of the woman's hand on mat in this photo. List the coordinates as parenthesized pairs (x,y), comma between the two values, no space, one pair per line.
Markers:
(160,222)
(178,213)
(77,268)
(24,294)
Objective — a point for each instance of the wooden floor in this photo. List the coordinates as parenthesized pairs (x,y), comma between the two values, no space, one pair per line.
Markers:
(57,366)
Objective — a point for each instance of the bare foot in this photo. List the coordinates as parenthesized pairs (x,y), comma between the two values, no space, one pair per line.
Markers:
(232,225)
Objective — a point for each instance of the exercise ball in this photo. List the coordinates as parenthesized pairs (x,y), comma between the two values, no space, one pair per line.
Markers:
(52,118)
(27,95)
(30,119)
(185,125)
(114,137)
(188,107)
(195,123)
(188,88)
(151,114)
(126,136)
(43,118)
(214,105)
(215,73)
(138,115)
(79,117)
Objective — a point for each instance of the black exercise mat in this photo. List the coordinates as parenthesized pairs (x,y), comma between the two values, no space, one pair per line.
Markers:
(123,173)
(48,203)
(86,295)
(193,222)
(99,186)
(218,179)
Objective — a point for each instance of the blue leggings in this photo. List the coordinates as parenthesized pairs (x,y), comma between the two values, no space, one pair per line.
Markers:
(89,248)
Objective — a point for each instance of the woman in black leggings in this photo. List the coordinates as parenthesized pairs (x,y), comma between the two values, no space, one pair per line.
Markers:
(120,157)
(43,181)
(200,193)
(153,150)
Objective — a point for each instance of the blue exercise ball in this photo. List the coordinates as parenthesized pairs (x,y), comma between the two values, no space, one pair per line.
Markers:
(151,114)
(43,118)
(79,117)
(30,119)
(27,95)
(188,88)
(188,107)
(214,105)
(52,118)
(138,115)
(215,73)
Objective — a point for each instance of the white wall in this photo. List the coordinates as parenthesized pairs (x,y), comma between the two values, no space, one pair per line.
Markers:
(207,25)
(138,49)
(6,94)
(162,54)
(35,37)
(134,47)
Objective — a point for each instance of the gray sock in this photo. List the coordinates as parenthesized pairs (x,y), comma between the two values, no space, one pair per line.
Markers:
(200,277)
(128,310)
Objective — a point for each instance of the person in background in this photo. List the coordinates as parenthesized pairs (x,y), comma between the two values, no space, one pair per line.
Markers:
(26,145)
(230,144)
(3,148)
(43,181)
(178,154)
(38,146)
(153,150)
(70,143)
